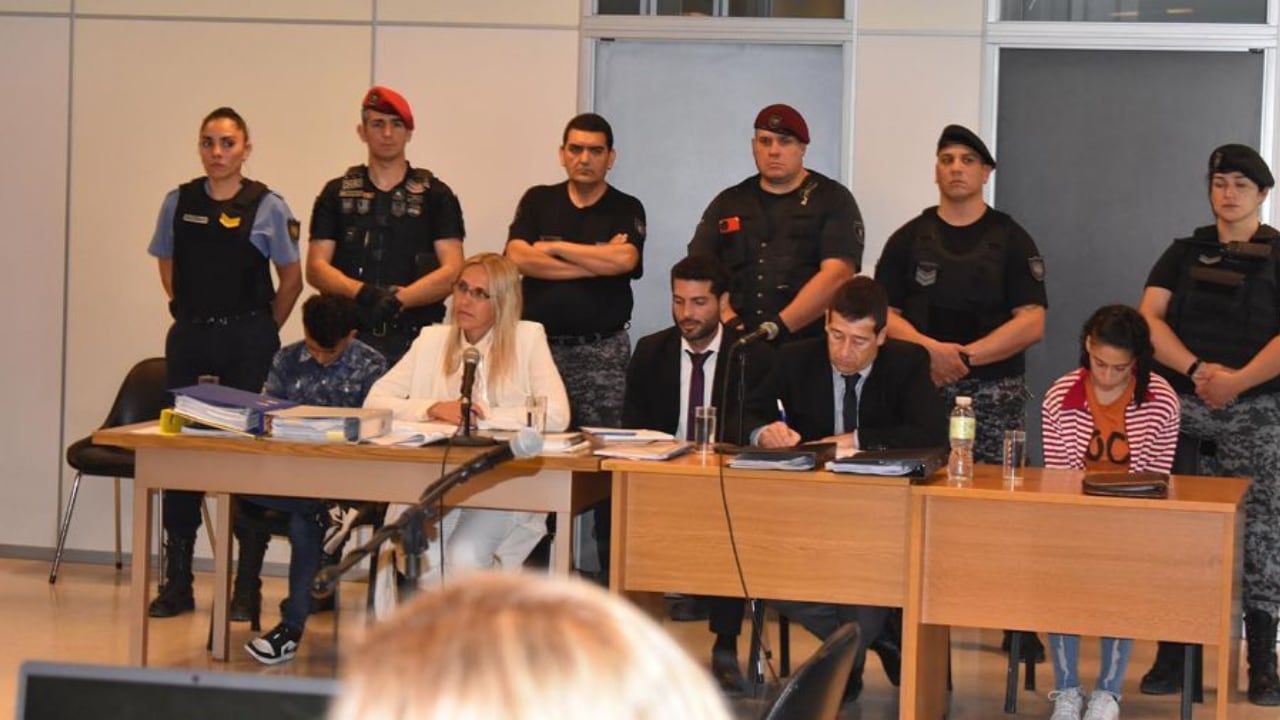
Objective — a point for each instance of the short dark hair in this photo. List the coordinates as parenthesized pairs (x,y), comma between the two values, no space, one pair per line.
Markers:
(1123,328)
(861,297)
(226,113)
(589,122)
(702,267)
(329,318)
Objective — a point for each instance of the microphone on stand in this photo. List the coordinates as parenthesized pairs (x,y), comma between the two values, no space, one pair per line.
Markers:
(767,331)
(526,443)
(470,360)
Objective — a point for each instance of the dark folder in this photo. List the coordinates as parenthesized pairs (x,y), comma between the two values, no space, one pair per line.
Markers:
(915,463)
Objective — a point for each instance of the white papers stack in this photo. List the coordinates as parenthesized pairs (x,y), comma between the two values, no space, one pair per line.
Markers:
(656,450)
(564,443)
(773,461)
(895,469)
(414,434)
(625,435)
(310,423)
(238,419)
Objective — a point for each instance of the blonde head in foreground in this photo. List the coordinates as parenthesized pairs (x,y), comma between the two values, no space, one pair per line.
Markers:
(517,647)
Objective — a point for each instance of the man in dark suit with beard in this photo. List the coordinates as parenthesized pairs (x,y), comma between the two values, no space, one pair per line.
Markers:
(862,391)
(677,369)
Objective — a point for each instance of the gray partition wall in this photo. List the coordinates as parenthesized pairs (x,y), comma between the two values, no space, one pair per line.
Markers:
(1102,157)
(682,116)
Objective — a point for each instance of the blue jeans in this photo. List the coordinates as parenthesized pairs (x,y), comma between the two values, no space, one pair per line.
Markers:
(306,538)
(1065,650)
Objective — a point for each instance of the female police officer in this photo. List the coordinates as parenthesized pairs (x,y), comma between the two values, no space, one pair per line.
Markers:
(1214,310)
(215,240)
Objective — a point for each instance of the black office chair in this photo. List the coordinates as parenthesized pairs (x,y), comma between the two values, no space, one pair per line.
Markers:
(817,689)
(140,398)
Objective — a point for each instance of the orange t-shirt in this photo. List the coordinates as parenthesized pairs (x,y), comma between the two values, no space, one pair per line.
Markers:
(1108,449)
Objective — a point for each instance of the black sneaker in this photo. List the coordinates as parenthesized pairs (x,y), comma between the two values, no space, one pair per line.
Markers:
(277,646)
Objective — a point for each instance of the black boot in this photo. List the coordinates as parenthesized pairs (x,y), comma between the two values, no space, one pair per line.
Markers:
(1264,686)
(246,597)
(176,596)
(1165,675)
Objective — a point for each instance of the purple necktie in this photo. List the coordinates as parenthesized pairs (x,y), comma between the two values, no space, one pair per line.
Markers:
(697,387)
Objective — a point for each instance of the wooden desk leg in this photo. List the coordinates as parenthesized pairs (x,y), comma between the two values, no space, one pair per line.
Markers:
(562,547)
(140,574)
(926,649)
(618,541)
(222,577)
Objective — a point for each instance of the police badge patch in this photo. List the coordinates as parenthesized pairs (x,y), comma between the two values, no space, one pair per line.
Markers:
(295,230)
(1036,265)
(926,273)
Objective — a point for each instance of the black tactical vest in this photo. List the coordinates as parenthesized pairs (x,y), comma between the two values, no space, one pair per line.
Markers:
(217,272)
(1224,308)
(969,286)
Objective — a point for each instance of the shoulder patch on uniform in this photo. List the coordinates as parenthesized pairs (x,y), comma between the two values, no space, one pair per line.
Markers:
(1035,264)
(295,230)
(639,227)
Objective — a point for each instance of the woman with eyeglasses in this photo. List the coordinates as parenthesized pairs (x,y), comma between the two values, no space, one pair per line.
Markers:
(515,363)
(1112,414)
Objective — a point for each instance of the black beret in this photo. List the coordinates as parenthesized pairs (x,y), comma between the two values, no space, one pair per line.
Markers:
(1244,160)
(961,135)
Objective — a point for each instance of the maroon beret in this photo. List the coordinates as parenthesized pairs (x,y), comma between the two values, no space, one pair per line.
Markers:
(785,120)
(385,100)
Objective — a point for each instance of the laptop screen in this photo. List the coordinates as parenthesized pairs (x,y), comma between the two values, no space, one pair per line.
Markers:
(66,691)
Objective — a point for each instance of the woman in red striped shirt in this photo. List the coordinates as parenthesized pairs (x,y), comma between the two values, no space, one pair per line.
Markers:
(1110,414)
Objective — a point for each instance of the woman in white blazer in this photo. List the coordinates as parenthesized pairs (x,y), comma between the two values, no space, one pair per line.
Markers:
(515,363)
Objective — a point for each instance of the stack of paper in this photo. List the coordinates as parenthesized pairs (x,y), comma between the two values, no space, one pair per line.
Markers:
(226,407)
(564,443)
(603,435)
(774,461)
(655,450)
(414,434)
(311,423)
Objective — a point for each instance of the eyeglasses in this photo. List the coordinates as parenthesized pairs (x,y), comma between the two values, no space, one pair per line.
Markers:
(475,293)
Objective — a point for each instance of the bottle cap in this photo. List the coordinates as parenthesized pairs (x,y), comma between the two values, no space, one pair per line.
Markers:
(964,400)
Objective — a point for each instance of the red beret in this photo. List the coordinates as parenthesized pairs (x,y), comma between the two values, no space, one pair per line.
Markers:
(385,100)
(783,119)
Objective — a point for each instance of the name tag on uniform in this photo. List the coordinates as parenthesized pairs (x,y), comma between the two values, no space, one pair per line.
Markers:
(730,225)
(197,219)
(228,221)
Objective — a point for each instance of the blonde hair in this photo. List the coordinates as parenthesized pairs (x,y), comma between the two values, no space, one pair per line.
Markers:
(500,646)
(508,304)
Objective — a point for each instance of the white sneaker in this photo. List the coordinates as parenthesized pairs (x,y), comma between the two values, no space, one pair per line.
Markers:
(1102,706)
(1066,704)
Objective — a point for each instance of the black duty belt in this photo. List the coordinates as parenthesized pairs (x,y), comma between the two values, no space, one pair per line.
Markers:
(588,339)
(232,319)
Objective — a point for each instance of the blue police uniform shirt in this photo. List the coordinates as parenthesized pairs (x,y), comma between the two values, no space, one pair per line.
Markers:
(295,375)
(270,233)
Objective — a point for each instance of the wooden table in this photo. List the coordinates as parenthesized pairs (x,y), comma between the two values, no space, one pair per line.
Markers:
(1046,557)
(1041,556)
(226,466)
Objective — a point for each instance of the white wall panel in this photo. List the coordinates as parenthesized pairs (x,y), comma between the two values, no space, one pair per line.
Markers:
(490,107)
(134,138)
(35,6)
(929,15)
(503,12)
(283,9)
(908,89)
(32,201)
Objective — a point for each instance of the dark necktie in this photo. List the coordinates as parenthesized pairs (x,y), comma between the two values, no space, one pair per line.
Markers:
(697,388)
(851,402)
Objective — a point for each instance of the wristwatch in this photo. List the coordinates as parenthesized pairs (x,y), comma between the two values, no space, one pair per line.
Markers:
(1191,371)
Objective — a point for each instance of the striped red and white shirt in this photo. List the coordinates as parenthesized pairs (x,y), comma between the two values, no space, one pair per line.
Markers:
(1067,424)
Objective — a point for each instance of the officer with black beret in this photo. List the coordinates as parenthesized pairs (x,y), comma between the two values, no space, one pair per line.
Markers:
(1213,303)
(387,234)
(788,235)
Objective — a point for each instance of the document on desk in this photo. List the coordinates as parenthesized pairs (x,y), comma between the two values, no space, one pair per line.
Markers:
(655,450)
(610,436)
(313,423)
(916,463)
(800,457)
(414,434)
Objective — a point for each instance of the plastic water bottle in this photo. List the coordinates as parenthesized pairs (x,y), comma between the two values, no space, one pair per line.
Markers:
(964,426)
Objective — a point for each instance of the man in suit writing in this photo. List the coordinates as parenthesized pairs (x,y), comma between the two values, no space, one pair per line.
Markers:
(862,391)
(677,369)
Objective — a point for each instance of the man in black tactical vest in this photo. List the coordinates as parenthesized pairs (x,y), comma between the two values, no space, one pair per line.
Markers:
(386,233)
(966,282)
(215,241)
(1213,303)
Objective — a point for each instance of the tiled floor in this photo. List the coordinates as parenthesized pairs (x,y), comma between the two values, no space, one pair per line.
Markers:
(82,618)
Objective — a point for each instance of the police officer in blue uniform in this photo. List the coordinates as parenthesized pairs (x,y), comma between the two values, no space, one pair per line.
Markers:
(1213,303)
(216,239)
(788,235)
(386,233)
